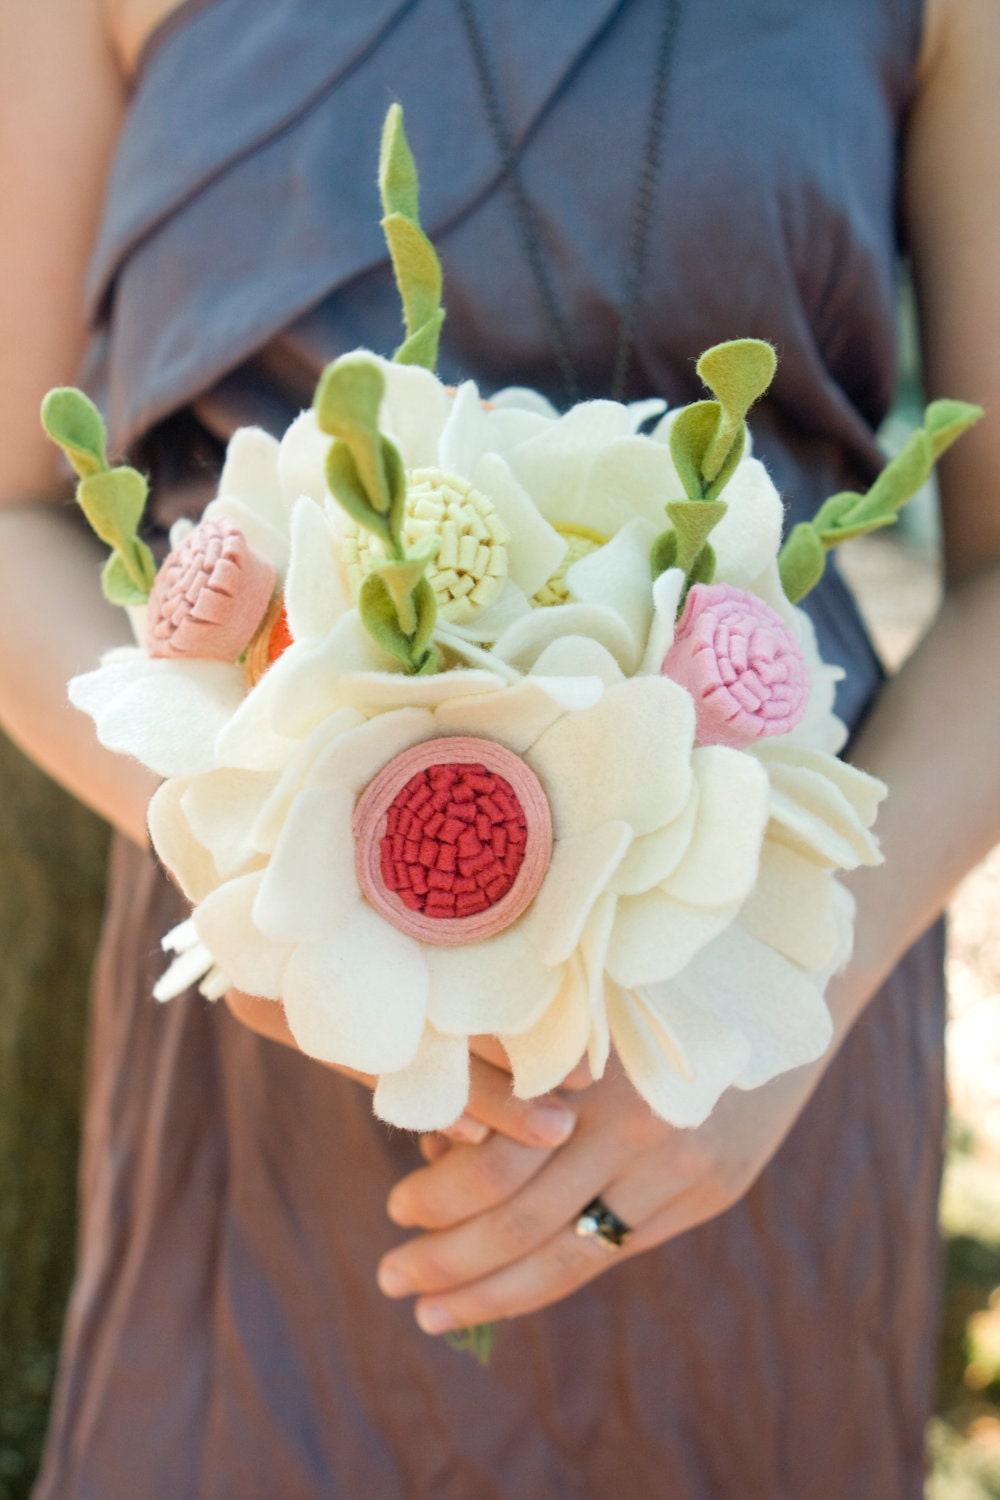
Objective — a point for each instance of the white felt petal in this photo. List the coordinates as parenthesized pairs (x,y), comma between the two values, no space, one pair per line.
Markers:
(187,969)
(554,464)
(812,811)
(720,863)
(316,592)
(643,411)
(295,775)
(310,888)
(221,808)
(656,936)
(864,793)
(489,623)
(577,656)
(594,953)
(375,692)
(535,548)
(463,436)
(302,458)
(271,541)
(458,649)
(517,716)
(354,757)
(713,1053)
(655,856)
(186,860)
(777,1008)
(224,922)
(496,987)
(359,997)
(250,474)
(630,478)
(618,576)
(250,739)
(580,871)
(165,713)
(431,1091)
(749,534)
(414,411)
(541,1058)
(309,679)
(666,597)
(791,907)
(521,398)
(626,759)
(523,643)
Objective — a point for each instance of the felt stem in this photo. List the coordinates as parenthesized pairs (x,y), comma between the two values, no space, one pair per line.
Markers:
(478,1340)
(365,475)
(802,559)
(414,260)
(112,499)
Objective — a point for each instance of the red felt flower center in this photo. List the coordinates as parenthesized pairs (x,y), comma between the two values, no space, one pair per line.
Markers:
(454,840)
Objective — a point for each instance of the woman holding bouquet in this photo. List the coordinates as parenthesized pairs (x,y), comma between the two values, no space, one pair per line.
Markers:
(186,212)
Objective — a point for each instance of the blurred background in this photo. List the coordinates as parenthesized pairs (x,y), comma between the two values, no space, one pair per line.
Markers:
(52,857)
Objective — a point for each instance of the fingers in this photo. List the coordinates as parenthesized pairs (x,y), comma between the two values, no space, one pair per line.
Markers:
(548,1121)
(463,1181)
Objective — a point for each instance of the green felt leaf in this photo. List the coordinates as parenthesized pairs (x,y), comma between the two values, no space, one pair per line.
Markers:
(663,554)
(801,561)
(691,437)
(898,482)
(395,473)
(478,1340)
(379,617)
(117,583)
(73,422)
(703,567)
(693,521)
(345,485)
(397,171)
(834,511)
(737,373)
(113,502)
(347,403)
(401,578)
(418,277)
(945,421)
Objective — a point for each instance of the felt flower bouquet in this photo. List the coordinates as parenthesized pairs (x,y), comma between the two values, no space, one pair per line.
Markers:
(475,717)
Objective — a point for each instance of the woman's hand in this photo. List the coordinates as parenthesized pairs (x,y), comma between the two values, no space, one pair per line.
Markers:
(498,1218)
(545,1122)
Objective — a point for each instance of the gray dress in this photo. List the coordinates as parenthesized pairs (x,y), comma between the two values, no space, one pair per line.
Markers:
(225,1339)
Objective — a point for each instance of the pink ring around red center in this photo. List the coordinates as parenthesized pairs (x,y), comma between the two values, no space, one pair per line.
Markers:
(452,840)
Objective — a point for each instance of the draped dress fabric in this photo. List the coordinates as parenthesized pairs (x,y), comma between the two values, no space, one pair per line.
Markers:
(225,1338)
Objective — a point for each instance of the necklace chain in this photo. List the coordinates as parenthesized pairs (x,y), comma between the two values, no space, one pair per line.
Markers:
(527,219)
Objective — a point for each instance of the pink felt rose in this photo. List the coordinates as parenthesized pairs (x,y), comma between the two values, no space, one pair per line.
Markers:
(210,595)
(740,663)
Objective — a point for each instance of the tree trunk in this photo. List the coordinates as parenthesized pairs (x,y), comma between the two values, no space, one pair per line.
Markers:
(52,858)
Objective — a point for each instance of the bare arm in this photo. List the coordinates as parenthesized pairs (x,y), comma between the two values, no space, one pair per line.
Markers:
(61,103)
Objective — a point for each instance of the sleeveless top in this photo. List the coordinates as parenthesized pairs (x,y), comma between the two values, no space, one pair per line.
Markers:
(225,1337)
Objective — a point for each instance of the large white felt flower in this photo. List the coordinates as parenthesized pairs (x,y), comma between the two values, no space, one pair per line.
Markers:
(396,889)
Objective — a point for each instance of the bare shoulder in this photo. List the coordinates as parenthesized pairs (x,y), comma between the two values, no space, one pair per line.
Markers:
(61,103)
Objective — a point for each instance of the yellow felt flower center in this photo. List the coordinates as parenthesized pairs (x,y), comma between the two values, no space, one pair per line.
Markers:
(580,541)
(469,571)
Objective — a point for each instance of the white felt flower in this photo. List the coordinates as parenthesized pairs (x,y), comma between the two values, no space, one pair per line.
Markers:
(450,855)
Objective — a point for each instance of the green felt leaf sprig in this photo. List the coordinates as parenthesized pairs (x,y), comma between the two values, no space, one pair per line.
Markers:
(477,1340)
(414,259)
(802,559)
(707,441)
(365,474)
(112,499)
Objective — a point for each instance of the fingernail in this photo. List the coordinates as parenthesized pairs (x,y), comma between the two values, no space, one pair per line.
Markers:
(435,1319)
(551,1124)
(392,1282)
(467,1129)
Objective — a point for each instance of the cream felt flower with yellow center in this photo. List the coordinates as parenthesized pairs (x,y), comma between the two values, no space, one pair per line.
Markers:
(451,855)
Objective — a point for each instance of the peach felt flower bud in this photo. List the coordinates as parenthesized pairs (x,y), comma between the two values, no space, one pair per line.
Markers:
(741,664)
(210,595)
